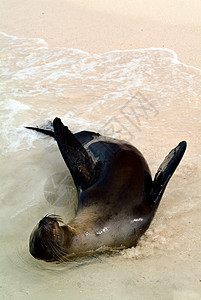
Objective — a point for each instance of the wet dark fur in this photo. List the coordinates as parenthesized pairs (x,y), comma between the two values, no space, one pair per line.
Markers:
(117,197)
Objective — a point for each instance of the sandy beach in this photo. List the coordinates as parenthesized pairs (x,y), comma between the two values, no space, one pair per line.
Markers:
(97,27)
(126,69)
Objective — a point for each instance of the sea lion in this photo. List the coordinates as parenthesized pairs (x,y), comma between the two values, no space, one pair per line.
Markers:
(117,197)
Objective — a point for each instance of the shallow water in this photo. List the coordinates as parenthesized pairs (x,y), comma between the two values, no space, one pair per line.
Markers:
(145,96)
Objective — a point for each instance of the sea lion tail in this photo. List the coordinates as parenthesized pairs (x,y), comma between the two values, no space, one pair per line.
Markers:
(165,171)
(44,131)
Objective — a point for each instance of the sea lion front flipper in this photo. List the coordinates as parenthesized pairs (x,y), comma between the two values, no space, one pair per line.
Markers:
(165,171)
(83,170)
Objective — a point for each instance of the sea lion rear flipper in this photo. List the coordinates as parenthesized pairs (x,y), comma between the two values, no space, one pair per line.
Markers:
(83,170)
(44,131)
(165,171)
(83,136)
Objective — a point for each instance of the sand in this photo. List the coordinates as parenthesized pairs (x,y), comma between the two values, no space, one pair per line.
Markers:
(149,97)
(100,26)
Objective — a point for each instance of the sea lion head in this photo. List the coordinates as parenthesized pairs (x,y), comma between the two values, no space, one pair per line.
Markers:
(47,238)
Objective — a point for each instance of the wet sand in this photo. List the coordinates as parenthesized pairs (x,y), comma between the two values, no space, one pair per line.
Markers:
(98,27)
(148,97)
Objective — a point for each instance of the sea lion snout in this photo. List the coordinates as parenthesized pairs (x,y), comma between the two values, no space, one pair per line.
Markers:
(48,223)
(45,238)
(43,222)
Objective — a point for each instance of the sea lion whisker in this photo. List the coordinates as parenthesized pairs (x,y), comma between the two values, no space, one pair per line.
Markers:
(59,252)
(56,250)
(55,218)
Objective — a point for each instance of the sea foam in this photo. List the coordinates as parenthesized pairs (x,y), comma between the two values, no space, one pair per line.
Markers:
(38,82)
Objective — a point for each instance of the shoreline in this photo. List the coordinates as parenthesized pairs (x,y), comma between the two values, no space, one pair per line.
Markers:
(99,28)
(150,99)
(175,55)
